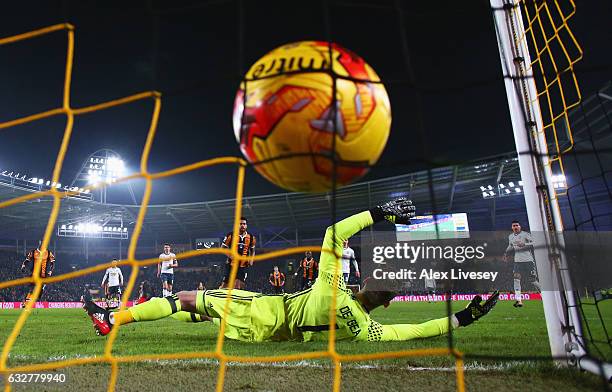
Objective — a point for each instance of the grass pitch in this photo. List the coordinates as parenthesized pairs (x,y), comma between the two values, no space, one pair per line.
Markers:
(506,350)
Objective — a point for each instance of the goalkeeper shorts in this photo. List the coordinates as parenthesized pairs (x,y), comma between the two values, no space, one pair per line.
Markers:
(250,317)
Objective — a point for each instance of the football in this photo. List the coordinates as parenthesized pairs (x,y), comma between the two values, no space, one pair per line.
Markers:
(284,120)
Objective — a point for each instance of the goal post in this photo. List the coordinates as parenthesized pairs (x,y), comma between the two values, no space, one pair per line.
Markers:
(536,173)
(563,320)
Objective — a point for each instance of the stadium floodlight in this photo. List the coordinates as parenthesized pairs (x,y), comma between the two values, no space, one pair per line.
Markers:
(517,190)
(482,188)
(485,195)
(93,229)
(93,177)
(101,169)
(507,190)
(502,186)
(511,184)
(490,187)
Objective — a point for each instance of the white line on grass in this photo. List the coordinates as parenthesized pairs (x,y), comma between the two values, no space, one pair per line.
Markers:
(472,366)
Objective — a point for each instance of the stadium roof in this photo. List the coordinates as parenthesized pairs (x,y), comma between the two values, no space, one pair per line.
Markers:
(454,188)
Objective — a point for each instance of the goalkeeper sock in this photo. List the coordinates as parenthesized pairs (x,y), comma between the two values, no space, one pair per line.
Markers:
(121,317)
(155,308)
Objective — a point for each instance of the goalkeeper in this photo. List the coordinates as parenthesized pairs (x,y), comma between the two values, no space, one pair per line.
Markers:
(305,315)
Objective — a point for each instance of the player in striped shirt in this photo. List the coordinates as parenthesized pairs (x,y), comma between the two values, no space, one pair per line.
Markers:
(47,265)
(246,247)
(277,280)
(308,267)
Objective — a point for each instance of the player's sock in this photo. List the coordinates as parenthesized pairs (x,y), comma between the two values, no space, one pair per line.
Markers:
(121,317)
(517,290)
(155,308)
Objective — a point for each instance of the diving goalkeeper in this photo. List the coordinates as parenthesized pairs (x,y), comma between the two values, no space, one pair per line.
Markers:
(305,315)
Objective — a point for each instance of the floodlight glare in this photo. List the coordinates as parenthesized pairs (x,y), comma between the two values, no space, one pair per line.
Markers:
(93,178)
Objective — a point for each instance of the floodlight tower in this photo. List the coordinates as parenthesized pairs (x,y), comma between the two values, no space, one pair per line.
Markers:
(102,168)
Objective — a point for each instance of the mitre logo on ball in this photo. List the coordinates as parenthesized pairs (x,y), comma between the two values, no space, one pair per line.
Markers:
(285,122)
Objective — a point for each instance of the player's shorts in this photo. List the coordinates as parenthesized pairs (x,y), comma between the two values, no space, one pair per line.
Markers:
(114,290)
(166,277)
(240,275)
(278,289)
(42,289)
(307,283)
(526,269)
(251,317)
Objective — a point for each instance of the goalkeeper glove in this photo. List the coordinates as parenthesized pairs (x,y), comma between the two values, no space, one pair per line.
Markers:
(476,310)
(398,211)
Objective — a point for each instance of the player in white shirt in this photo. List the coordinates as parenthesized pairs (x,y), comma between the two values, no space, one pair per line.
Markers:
(430,289)
(521,243)
(348,256)
(165,269)
(112,282)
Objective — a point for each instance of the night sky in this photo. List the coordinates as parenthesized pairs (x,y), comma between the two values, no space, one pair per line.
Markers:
(191,51)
